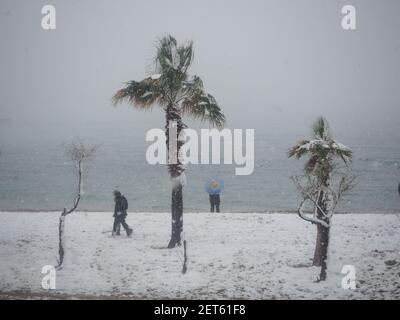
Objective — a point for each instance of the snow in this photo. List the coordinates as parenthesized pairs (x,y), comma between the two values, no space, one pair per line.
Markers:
(231,255)
(312,143)
(181,179)
(155,76)
(324,144)
(146,94)
(312,219)
(340,146)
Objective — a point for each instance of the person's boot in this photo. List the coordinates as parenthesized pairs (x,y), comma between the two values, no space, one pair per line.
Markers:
(129,232)
(113,234)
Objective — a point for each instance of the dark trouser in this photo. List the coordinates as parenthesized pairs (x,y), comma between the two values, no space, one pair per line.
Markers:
(118,220)
(214,206)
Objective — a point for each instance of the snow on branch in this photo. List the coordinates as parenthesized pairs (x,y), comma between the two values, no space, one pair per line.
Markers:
(311,190)
(313,219)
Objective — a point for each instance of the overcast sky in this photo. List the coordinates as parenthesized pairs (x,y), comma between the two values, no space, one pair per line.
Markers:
(282,61)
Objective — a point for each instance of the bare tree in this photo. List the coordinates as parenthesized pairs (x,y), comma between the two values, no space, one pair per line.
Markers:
(185,257)
(79,154)
(324,200)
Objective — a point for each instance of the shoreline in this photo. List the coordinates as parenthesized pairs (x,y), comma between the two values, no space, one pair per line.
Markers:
(196,212)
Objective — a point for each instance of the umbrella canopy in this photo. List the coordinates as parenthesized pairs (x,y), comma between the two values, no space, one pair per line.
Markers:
(214,186)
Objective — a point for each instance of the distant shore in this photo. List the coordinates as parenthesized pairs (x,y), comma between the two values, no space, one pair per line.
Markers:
(196,212)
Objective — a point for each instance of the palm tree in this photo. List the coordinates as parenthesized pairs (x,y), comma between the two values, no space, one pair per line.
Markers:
(322,151)
(177,94)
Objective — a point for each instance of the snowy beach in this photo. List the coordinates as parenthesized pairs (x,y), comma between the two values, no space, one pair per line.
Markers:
(231,256)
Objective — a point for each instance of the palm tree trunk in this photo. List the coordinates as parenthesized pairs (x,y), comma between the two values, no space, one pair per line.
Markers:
(176,170)
(322,244)
(177,216)
(317,251)
(324,252)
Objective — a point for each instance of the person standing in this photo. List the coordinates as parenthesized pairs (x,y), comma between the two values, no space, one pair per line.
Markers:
(214,187)
(120,214)
(215,201)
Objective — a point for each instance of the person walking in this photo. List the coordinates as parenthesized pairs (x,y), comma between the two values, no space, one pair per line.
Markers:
(120,214)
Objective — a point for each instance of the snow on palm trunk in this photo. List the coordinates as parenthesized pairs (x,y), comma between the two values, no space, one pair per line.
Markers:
(176,168)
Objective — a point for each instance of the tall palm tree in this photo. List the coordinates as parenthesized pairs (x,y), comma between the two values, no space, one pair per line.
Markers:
(322,151)
(177,94)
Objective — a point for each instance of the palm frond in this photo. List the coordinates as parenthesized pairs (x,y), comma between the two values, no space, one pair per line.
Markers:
(173,58)
(141,94)
(298,150)
(322,151)
(186,56)
(172,86)
(320,129)
(342,151)
(203,106)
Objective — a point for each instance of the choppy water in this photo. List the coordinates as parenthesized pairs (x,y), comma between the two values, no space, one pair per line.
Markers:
(34,174)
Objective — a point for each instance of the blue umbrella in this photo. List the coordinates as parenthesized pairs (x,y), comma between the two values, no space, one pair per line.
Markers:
(214,186)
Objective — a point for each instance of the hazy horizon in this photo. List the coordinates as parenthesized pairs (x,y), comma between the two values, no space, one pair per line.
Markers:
(280,62)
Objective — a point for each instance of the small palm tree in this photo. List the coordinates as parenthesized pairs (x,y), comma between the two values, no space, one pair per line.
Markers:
(323,151)
(171,88)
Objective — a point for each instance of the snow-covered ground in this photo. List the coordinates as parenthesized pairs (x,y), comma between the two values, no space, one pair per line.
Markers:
(250,256)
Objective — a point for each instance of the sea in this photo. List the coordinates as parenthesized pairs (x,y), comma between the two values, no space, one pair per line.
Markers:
(35,174)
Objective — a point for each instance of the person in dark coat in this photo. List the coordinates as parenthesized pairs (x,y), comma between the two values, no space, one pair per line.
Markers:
(120,213)
(215,201)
